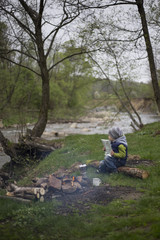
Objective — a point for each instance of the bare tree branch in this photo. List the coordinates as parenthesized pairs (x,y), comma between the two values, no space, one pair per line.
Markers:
(63,23)
(23,26)
(21,52)
(123,88)
(72,55)
(21,65)
(116,93)
(100,5)
(32,13)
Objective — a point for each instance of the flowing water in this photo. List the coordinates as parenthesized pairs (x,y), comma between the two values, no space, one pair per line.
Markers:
(97,123)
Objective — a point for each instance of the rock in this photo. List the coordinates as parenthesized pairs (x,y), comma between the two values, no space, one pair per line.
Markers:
(67,179)
(73,125)
(61,172)
(85,130)
(52,133)
(78,186)
(54,182)
(68,188)
(79,179)
(74,167)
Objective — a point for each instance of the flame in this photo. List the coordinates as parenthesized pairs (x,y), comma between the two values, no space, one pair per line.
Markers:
(73,179)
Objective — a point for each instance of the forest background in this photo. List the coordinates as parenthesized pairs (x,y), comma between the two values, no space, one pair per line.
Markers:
(94,58)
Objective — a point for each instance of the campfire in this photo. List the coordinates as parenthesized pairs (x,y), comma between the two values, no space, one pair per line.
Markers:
(65,182)
(50,187)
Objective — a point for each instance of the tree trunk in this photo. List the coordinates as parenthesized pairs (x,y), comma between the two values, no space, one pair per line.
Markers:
(43,115)
(149,49)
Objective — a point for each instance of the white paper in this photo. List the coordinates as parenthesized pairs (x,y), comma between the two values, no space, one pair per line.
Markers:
(106,144)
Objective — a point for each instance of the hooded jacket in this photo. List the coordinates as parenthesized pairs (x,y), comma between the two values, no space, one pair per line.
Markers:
(120,148)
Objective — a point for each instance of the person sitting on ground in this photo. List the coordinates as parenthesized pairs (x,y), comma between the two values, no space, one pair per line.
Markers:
(118,154)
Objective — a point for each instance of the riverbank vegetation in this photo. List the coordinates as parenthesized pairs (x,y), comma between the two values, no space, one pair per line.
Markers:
(130,217)
(70,97)
(78,75)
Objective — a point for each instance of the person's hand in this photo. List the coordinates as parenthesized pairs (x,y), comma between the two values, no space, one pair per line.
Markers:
(104,149)
(112,152)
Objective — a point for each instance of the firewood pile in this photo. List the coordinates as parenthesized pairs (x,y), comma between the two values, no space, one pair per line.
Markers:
(49,187)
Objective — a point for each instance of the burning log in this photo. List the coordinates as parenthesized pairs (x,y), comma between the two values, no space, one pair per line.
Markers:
(134,172)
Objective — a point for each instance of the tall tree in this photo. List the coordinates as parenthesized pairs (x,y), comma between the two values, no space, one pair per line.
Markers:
(156,88)
(37,22)
(105,4)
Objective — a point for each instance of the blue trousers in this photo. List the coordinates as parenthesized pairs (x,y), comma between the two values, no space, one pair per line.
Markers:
(110,164)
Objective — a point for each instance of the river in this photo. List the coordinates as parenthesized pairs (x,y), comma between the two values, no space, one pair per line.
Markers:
(96,122)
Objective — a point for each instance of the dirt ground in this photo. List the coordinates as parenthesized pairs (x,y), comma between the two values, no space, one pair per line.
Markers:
(81,201)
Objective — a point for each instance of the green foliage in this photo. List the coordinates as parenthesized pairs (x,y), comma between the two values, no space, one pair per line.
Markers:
(71,80)
(26,92)
(135,89)
(19,92)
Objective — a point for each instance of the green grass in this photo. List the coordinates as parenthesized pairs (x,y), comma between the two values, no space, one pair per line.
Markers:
(121,219)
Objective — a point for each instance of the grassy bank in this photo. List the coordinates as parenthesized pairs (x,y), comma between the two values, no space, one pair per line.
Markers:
(120,219)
